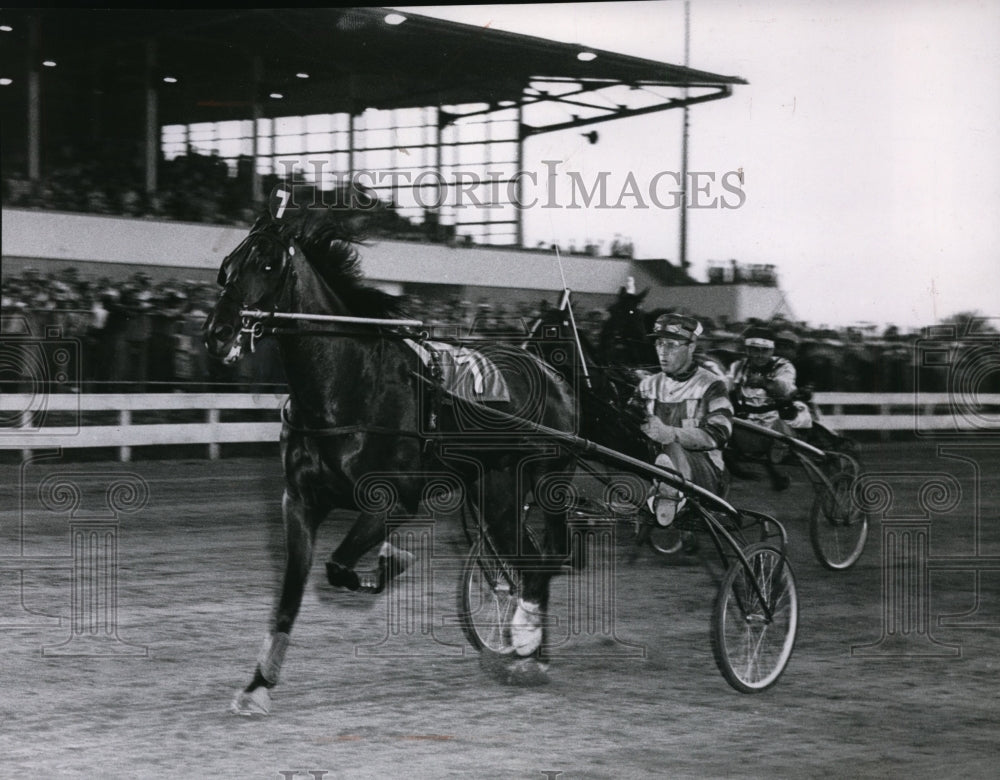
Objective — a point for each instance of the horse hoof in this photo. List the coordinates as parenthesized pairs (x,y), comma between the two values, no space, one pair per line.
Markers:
(391,563)
(508,669)
(341,577)
(526,628)
(251,703)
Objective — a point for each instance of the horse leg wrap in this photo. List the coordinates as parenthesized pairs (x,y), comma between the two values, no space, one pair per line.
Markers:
(392,562)
(272,656)
(526,627)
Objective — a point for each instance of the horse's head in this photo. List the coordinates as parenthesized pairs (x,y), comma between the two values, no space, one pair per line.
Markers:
(624,337)
(629,302)
(252,276)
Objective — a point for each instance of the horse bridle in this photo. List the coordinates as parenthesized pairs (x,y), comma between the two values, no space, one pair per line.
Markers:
(230,271)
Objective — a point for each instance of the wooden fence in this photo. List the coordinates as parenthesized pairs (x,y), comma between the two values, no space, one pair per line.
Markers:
(30,422)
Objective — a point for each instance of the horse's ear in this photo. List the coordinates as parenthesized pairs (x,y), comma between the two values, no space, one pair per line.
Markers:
(279,202)
(643,294)
(621,292)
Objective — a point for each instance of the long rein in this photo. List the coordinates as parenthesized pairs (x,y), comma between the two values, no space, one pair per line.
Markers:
(576,442)
(254,325)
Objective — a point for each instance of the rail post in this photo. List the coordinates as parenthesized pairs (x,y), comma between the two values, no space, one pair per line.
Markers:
(213,427)
(124,421)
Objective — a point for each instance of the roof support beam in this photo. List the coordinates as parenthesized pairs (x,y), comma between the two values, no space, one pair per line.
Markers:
(621,113)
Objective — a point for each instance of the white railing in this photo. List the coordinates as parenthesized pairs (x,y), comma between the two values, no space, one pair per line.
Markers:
(919,412)
(30,422)
(32,431)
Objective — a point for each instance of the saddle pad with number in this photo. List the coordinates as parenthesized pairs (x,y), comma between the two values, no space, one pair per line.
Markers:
(463,372)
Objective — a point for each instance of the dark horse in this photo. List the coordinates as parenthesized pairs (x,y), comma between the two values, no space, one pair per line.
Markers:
(625,339)
(605,387)
(359,405)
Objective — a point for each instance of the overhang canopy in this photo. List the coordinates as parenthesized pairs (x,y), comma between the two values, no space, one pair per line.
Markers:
(225,61)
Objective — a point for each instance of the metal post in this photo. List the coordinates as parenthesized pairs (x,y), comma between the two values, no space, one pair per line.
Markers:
(439,163)
(520,185)
(34,103)
(350,145)
(152,122)
(255,113)
(684,141)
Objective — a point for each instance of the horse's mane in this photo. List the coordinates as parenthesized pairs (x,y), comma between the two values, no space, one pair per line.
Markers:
(329,238)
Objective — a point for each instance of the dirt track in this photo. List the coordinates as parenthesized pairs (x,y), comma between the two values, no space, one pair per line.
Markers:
(198,565)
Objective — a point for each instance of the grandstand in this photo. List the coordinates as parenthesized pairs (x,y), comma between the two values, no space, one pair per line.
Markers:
(330,92)
(192,115)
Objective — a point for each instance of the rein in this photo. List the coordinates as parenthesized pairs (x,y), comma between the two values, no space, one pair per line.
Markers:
(284,315)
(253,325)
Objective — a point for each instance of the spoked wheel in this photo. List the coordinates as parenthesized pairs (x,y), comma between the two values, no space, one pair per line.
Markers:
(838,529)
(487,599)
(751,647)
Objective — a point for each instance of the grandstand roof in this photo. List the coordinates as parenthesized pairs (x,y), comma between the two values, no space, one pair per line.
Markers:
(354,59)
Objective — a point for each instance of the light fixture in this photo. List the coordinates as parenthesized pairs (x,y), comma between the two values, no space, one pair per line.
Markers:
(169,80)
(49,63)
(6,28)
(301,75)
(276,95)
(394,19)
(6,82)
(586,56)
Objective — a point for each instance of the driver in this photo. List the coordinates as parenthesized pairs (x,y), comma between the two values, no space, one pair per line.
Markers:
(688,414)
(763,387)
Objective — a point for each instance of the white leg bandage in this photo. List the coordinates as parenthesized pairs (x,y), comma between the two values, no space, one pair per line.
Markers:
(272,656)
(526,627)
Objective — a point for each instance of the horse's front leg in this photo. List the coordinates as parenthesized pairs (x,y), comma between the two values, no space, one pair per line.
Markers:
(301,523)
(368,530)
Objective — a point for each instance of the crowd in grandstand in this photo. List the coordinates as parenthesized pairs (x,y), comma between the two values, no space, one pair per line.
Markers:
(202,188)
(137,334)
(192,187)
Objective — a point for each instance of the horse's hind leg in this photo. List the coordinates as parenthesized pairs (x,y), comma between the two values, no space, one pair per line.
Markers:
(368,530)
(501,513)
(300,533)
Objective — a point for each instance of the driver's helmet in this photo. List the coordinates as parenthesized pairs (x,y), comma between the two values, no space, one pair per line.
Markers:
(676,326)
(758,337)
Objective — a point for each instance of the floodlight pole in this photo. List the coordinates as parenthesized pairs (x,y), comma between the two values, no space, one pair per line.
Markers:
(152,121)
(684,141)
(34,103)
(256,189)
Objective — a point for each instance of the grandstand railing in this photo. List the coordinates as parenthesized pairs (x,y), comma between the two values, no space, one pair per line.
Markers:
(29,422)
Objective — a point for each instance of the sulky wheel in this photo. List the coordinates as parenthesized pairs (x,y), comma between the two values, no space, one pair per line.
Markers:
(838,528)
(753,638)
(487,599)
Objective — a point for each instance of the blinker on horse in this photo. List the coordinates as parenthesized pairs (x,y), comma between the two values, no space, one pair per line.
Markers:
(357,408)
